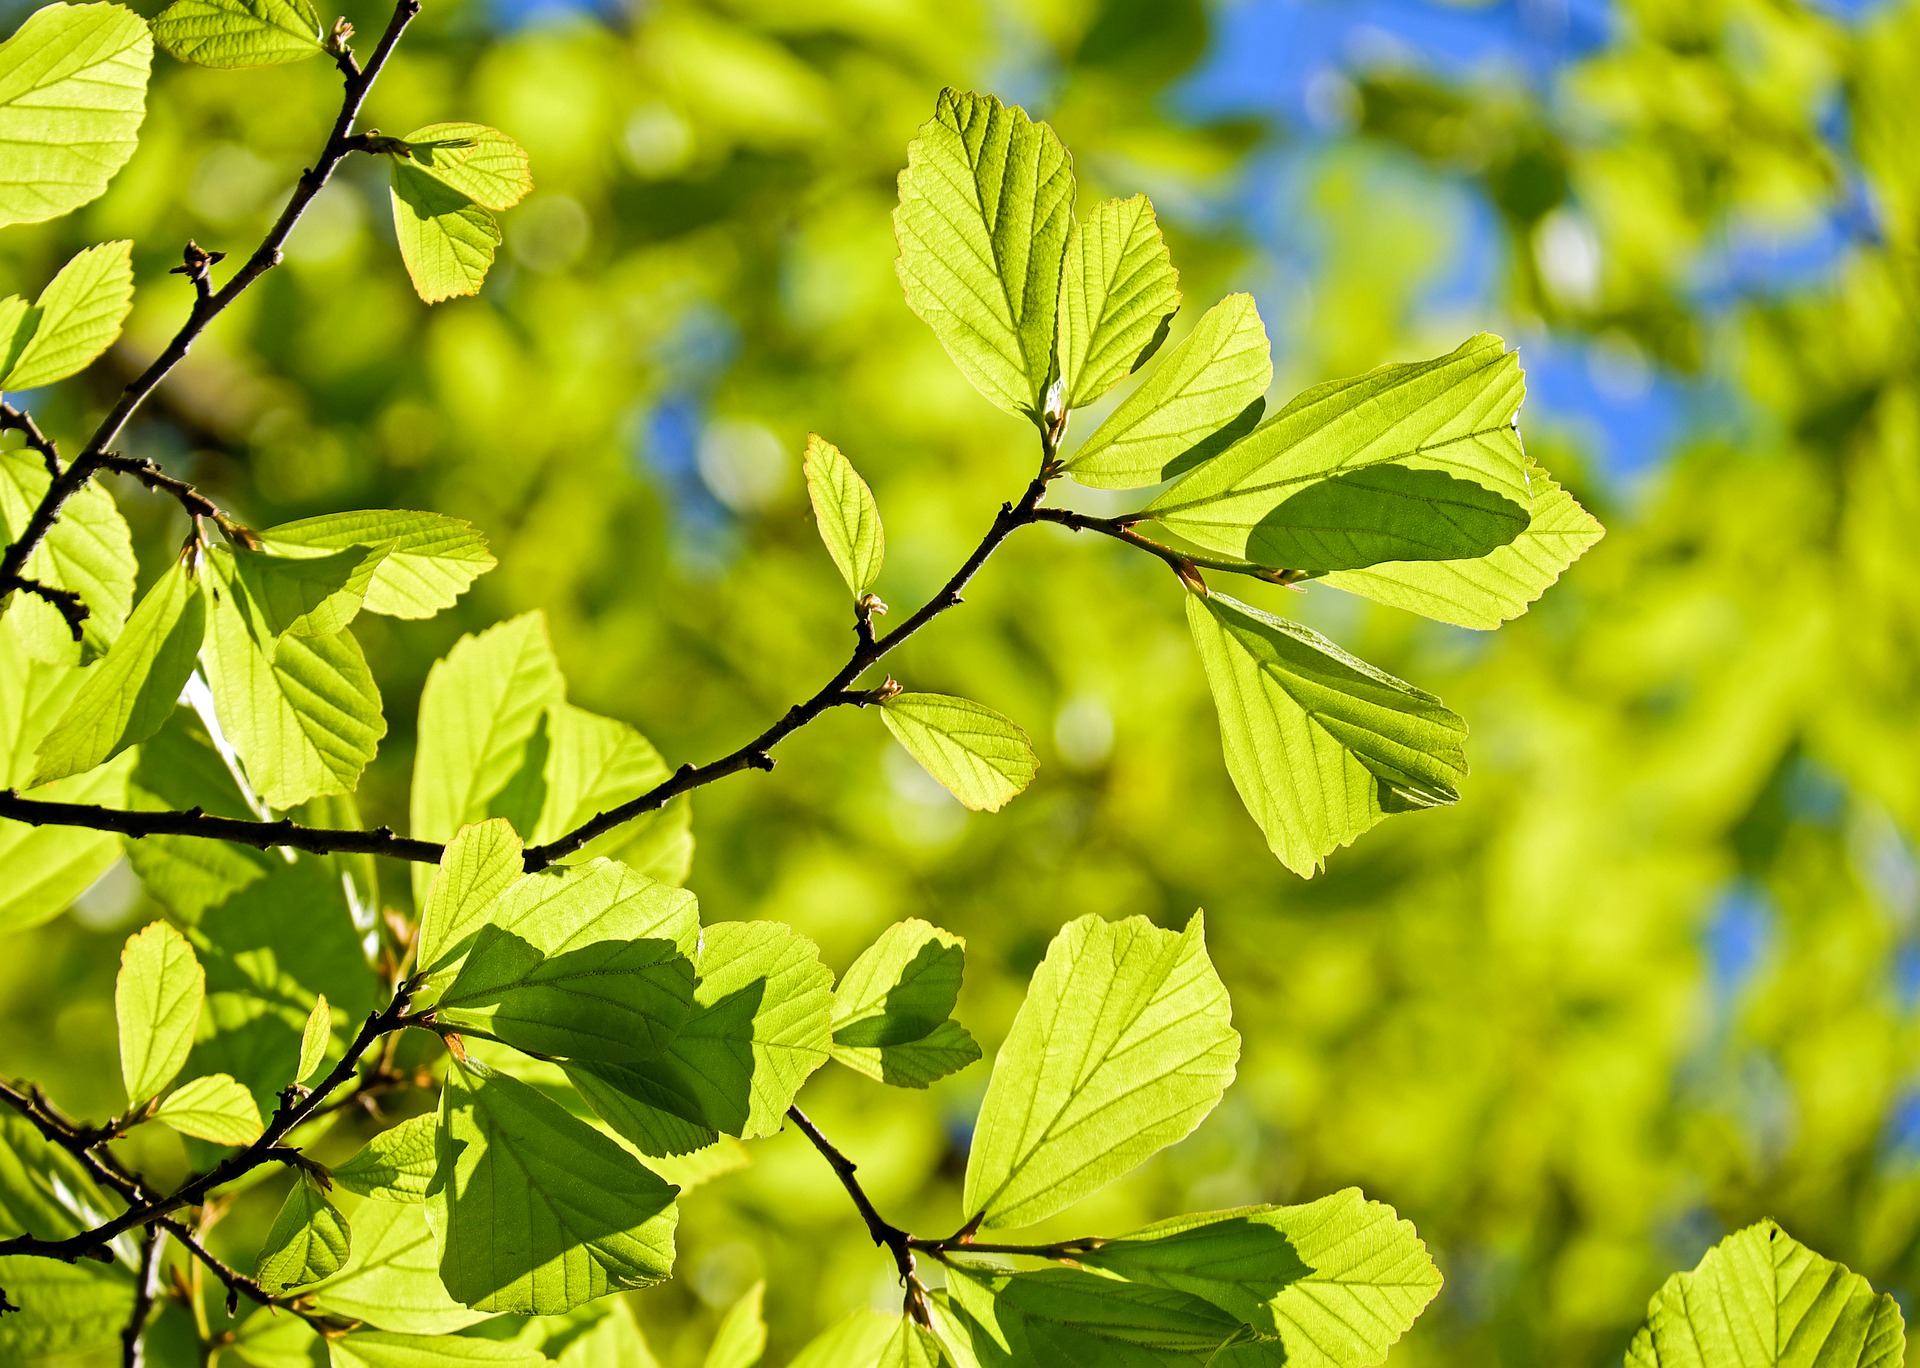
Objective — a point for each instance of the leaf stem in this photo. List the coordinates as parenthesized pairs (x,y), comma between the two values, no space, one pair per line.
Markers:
(1184,564)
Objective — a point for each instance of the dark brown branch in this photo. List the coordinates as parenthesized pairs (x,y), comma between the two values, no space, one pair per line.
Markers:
(145,1283)
(1185,565)
(208,303)
(885,1234)
(240,831)
(292,1111)
(19,420)
(196,504)
(65,602)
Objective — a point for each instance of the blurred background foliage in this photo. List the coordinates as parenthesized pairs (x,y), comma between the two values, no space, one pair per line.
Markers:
(1655,977)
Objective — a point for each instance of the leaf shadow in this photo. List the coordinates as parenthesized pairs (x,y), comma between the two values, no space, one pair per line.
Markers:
(1385,513)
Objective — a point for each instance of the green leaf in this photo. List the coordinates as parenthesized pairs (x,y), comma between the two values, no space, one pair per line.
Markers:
(1487,592)
(479,707)
(178,767)
(1061,1315)
(156,998)
(213,1108)
(314,1039)
(1216,374)
(844,511)
(1321,745)
(742,1336)
(396,1165)
(73,1314)
(73,89)
(269,1339)
(890,1010)
(77,316)
(1118,290)
(303,712)
(306,595)
(309,1240)
(44,1190)
(614,999)
(535,1211)
(982,758)
(446,240)
(913,1346)
(986,202)
(858,1338)
(392,1279)
(1761,1298)
(128,694)
(1451,419)
(239,33)
(378,1349)
(613,1341)
(1337,1281)
(431,561)
(1122,1046)
(89,550)
(480,163)
(480,863)
(761,1024)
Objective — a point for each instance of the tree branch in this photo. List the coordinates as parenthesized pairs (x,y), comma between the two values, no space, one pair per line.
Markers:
(241,831)
(208,303)
(196,504)
(65,602)
(19,420)
(885,1234)
(1186,566)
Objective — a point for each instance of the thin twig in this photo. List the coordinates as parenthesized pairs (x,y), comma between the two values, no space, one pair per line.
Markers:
(19,420)
(209,303)
(885,1234)
(65,602)
(194,822)
(196,504)
(1185,564)
(145,1284)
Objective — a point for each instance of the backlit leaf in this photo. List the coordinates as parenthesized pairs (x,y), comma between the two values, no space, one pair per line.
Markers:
(844,511)
(446,240)
(483,164)
(392,1278)
(1117,291)
(89,551)
(742,1336)
(430,561)
(981,757)
(314,1039)
(212,1108)
(481,862)
(309,1240)
(379,1349)
(394,1166)
(306,595)
(77,316)
(156,999)
(239,33)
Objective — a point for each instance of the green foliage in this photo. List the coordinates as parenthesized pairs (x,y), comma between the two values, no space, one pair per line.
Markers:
(1118,292)
(76,317)
(892,1009)
(742,1337)
(986,202)
(1122,1045)
(446,178)
(73,87)
(314,1039)
(89,552)
(430,559)
(309,1240)
(212,1108)
(845,513)
(394,1166)
(157,1000)
(239,33)
(981,758)
(1320,745)
(1761,1298)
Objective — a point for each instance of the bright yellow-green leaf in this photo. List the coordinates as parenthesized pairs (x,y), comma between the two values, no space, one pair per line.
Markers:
(985,204)
(157,999)
(73,89)
(392,1278)
(1117,291)
(77,316)
(89,551)
(309,1240)
(446,240)
(742,1336)
(480,863)
(430,561)
(891,1008)
(844,511)
(314,1038)
(306,596)
(483,164)
(1194,399)
(394,1166)
(1320,744)
(379,1349)
(913,1346)
(212,1108)
(981,757)
(239,33)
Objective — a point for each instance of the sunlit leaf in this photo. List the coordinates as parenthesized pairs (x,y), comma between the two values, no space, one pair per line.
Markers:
(1117,290)
(380,1349)
(156,999)
(845,513)
(89,551)
(481,862)
(77,316)
(314,1039)
(392,1278)
(483,164)
(212,1108)
(430,561)
(891,1007)
(309,1240)
(239,33)
(742,1336)
(981,757)
(446,240)
(306,595)
(394,1166)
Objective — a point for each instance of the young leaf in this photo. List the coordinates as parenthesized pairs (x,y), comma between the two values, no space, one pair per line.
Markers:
(392,1279)
(479,163)
(1118,290)
(761,1025)
(309,1240)
(536,1212)
(396,1165)
(157,998)
(985,204)
(592,763)
(742,1336)
(1761,1298)
(239,33)
(1321,745)
(890,1011)
(859,1337)
(480,863)
(131,691)
(618,1000)
(73,89)
(479,707)
(431,561)
(1122,1046)
(1214,376)
(306,595)
(1487,592)
(213,1108)
(1462,491)
(1337,1281)
(380,1349)
(574,906)
(913,1346)
(982,758)
(314,1038)
(446,240)
(77,316)
(89,551)
(844,510)
(303,712)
